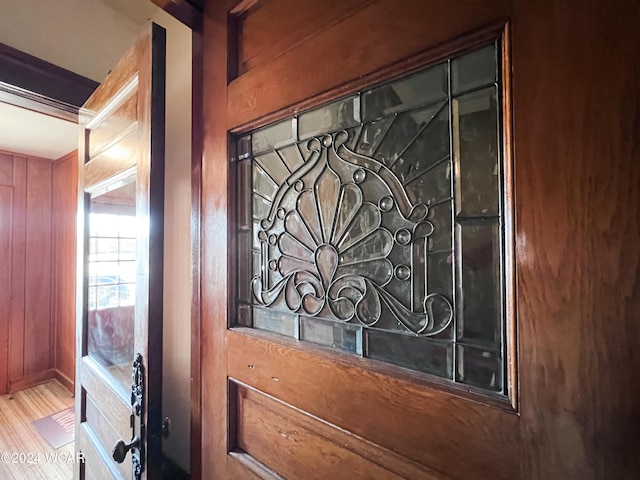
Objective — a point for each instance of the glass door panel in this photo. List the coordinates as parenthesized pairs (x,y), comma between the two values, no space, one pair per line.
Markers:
(112,278)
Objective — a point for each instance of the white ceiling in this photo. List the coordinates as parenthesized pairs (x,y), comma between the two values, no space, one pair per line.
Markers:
(29,133)
(138,11)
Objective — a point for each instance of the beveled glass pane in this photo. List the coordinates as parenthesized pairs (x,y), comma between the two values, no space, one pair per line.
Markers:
(475,141)
(479,296)
(440,274)
(256,263)
(263,184)
(255,233)
(292,157)
(442,237)
(371,136)
(332,334)
(421,354)
(276,321)
(424,87)
(244,274)
(261,207)
(112,268)
(335,116)
(244,190)
(402,131)
(274,166)
(353,134)
(364,227)
(428,148)
(433,186)
(480,368)
(273,136)
(473,70)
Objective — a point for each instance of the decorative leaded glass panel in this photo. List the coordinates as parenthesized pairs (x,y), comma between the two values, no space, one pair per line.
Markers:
(374,225)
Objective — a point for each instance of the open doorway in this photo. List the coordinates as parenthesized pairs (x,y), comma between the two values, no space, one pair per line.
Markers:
(116,23)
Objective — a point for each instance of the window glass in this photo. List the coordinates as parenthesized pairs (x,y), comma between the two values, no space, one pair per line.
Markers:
(377,223)
(112,278)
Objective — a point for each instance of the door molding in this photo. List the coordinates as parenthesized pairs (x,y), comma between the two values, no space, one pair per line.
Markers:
(197,139)
(29,82)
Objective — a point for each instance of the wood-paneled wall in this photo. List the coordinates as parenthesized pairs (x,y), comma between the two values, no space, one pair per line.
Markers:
(64,197)
(37,227)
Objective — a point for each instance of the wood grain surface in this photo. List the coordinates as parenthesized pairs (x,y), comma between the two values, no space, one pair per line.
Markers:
(574,130)
(64,191)
(32,188)
(142,68)
(17,435)
(576,80)
(6,200)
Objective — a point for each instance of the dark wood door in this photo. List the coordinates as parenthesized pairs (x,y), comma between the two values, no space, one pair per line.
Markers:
(121,194)
(339,343)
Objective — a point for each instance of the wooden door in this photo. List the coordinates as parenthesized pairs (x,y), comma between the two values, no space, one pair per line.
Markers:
(119,349)
(314,365)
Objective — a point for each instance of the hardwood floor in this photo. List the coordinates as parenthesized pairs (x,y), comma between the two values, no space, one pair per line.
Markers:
(20,442)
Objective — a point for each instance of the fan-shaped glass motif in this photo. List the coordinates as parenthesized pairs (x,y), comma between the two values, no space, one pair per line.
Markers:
(374,224)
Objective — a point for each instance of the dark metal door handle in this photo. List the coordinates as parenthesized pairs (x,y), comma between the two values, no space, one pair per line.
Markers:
(120,449)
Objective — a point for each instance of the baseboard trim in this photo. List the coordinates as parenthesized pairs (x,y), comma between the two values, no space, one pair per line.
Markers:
(65,381)
(31,380)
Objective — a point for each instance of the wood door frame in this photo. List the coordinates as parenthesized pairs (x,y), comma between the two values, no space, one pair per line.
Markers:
(29,82)
(191,15)
(197,139)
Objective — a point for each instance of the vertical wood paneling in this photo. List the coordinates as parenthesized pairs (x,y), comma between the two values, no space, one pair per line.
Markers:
(18,256)
(64,194)
(6,199)
(6,169)
(37,299)
(38,290)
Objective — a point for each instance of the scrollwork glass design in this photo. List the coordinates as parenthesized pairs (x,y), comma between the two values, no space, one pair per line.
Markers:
(379,218)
